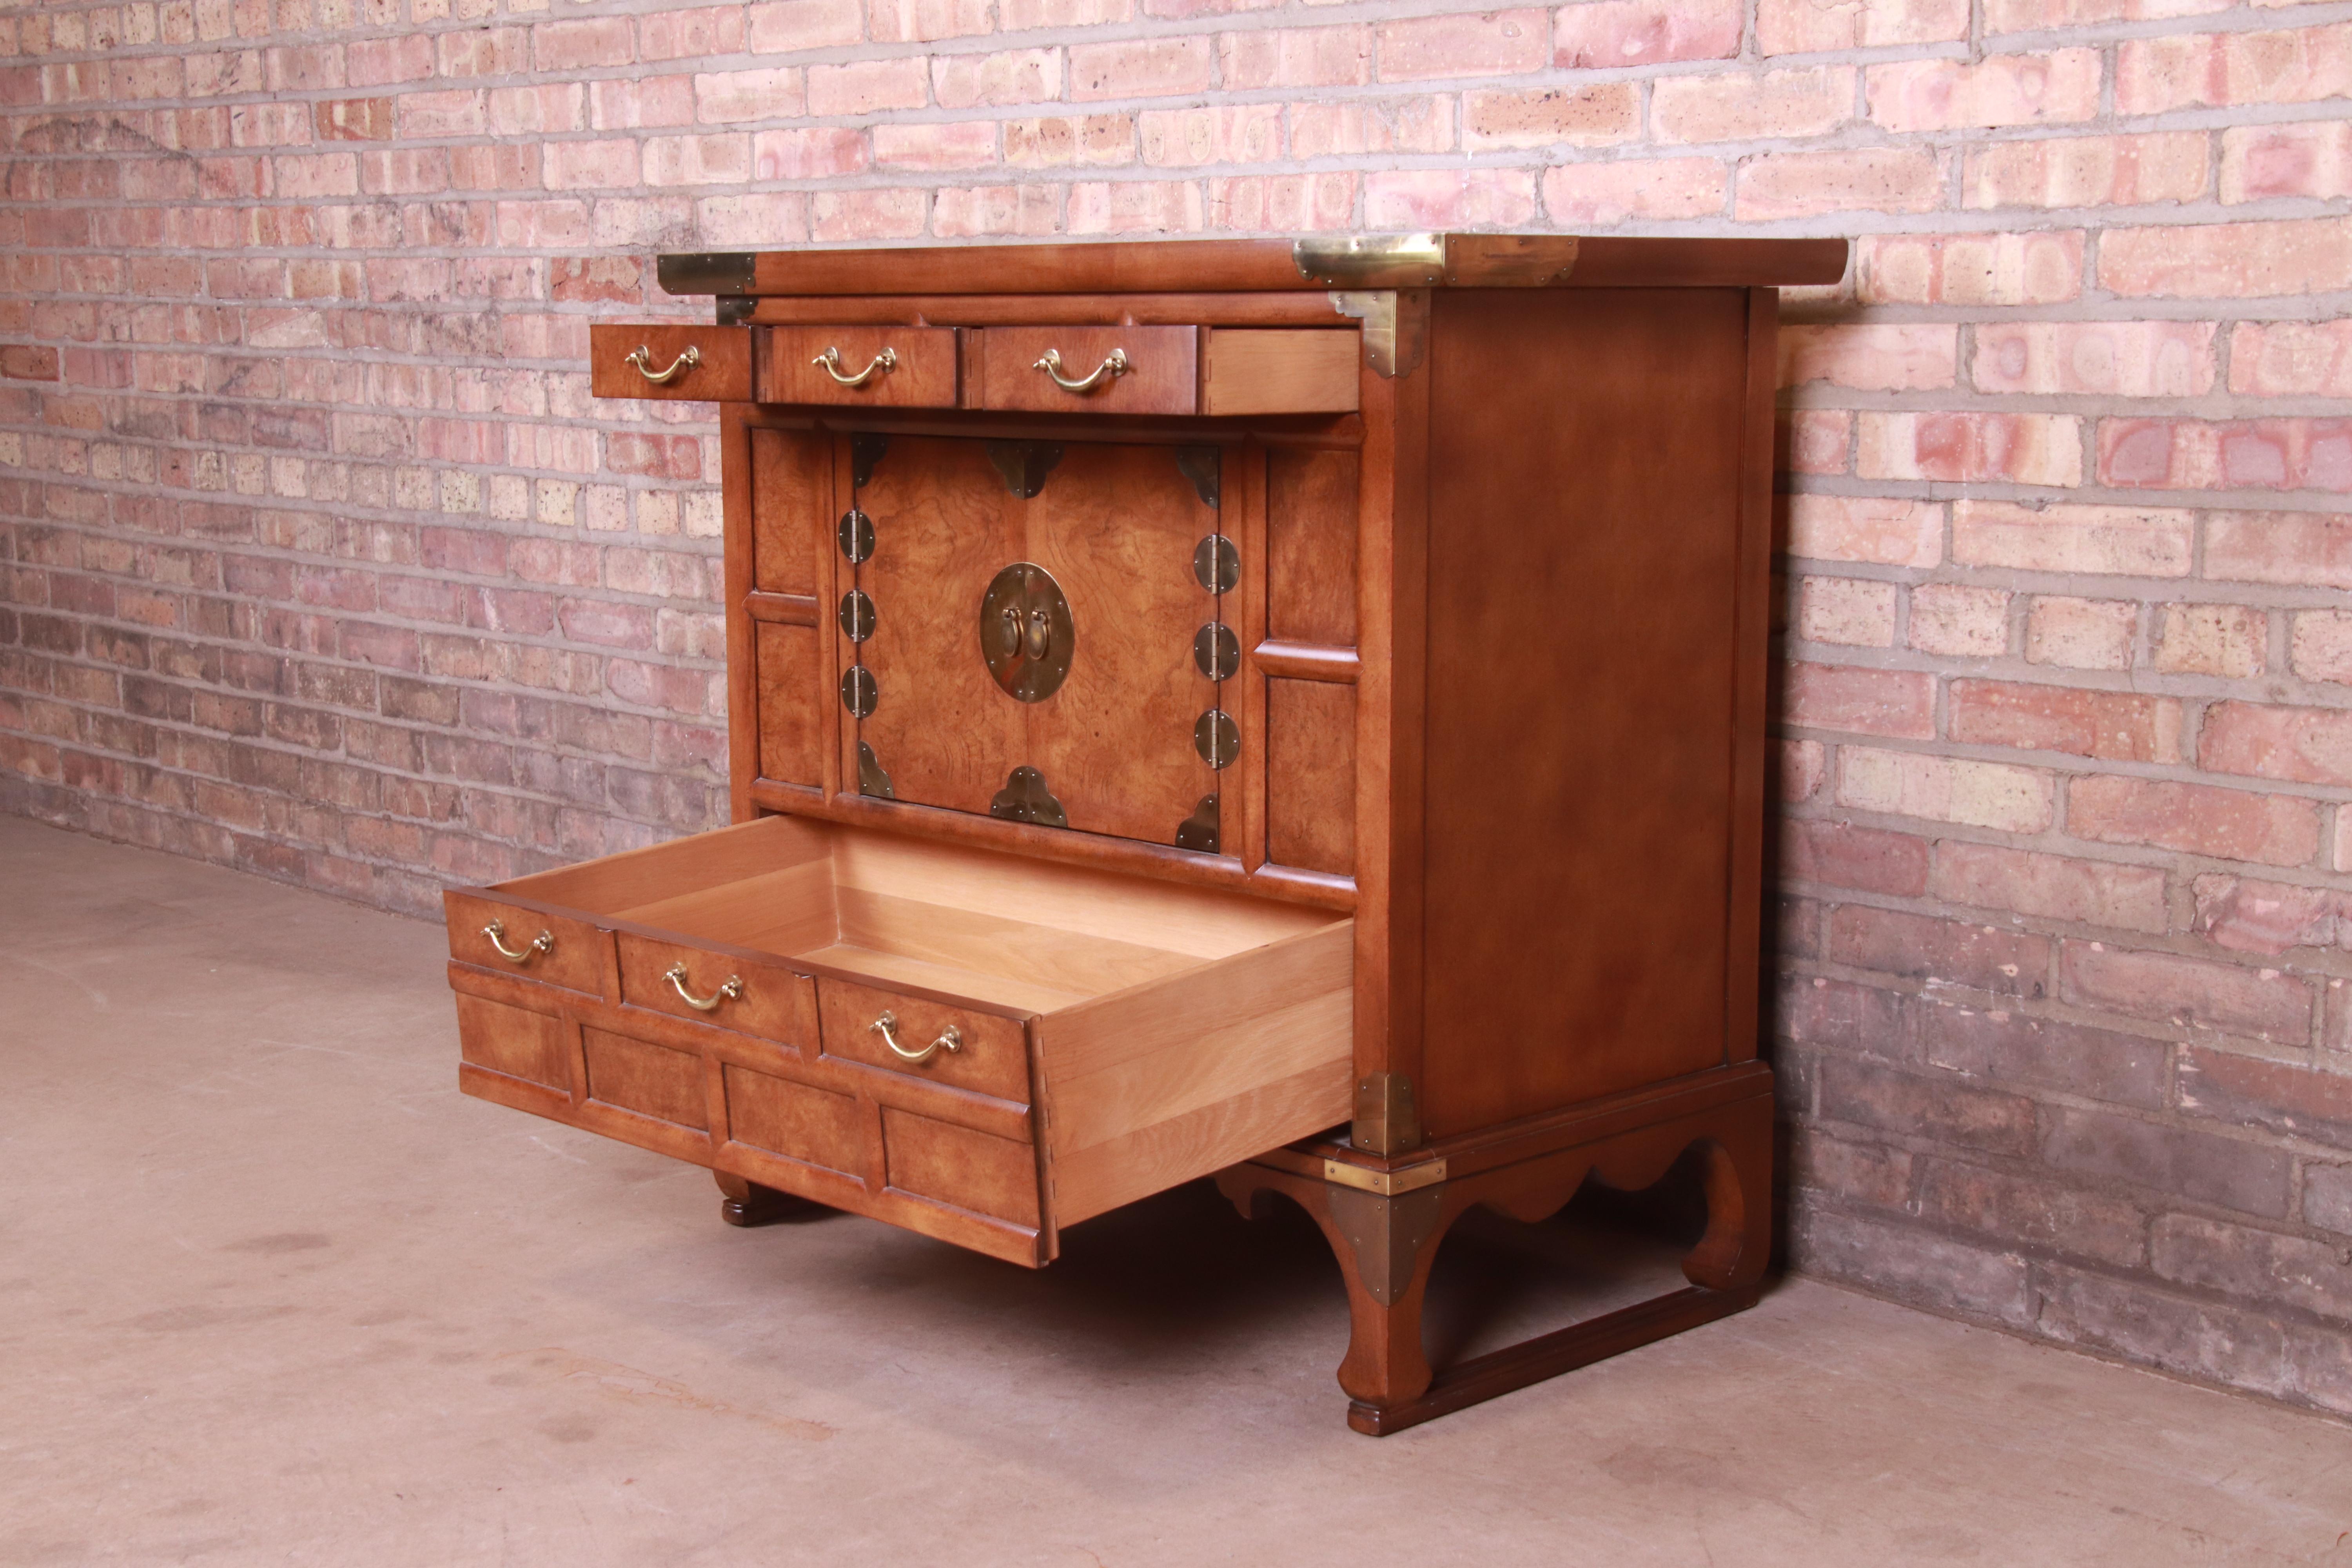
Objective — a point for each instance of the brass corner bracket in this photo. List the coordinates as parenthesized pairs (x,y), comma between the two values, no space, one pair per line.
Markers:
(1387,1183)
(1387,1119)
(1396,326)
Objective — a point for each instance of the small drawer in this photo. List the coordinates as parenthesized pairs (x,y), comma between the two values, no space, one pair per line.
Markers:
(875,367)
(705,364)
(943,1164)
(1161,374)
(728,989)
(988,1055)
(549,948)
(1279,371)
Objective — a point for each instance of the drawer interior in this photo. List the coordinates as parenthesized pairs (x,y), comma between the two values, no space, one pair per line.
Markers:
(902,912)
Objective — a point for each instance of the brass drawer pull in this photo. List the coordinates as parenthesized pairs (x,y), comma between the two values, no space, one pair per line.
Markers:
(882,363)
(727,993)
(1109,370)
(497,931)
(642,358)
(951,1039)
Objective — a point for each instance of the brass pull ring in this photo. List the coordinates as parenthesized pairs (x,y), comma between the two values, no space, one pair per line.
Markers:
(727,993)
(1050,362)
(882,363)
(497,931)
(642,358)
(951,1039)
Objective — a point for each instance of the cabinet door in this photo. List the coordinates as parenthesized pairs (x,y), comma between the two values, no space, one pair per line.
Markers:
(1029,615)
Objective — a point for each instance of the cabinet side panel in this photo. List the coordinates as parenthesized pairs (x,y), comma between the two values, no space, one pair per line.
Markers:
(1584,483)
(789,486)
(1310,768)
(1311,529)
(791,722)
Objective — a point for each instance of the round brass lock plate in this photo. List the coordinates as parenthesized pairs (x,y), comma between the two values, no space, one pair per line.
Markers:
(1217,565)
(857,536)
(1216,652)
(1217,738)
(857,615)
(858,693)
(1026,635)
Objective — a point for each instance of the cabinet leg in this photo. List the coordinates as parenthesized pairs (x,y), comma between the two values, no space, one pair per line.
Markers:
(747,1203)
(1739,1240)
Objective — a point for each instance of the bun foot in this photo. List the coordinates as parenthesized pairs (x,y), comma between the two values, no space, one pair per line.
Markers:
(748,1203)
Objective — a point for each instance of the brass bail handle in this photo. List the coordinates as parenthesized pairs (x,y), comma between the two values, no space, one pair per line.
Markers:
(882,363)
(727,993)
(1111,369)
(951,1039)
(497,931)
(1033,640)
(642,358)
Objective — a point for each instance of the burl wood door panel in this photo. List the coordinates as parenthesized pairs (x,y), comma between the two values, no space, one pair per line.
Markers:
(1111,749)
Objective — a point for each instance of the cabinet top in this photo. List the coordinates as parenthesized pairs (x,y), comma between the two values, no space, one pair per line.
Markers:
(1367,261)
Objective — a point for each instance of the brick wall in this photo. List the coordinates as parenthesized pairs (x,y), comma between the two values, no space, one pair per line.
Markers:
(319,561)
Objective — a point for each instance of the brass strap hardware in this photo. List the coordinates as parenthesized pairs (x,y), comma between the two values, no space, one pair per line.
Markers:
(951,1039)
(882,363)
(497,931)
(642,357)
(1368,261)
(1050,362)
(1387,1183)
(727,993)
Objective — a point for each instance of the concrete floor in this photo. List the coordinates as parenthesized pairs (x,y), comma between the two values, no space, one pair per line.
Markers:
(270,1290)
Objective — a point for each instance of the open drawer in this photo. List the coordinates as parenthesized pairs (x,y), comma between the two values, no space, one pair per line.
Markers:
(981,1048)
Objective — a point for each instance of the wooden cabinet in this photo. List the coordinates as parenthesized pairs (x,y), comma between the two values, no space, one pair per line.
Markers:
(1289,713)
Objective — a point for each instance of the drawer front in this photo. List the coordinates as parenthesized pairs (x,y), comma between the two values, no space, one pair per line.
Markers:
(514,1042)
(961,1168)
(767,1000)
(707,363)
(875,367)
(990,1055)
(652,1080)
(1162,373)
(546,948)
(1286,371)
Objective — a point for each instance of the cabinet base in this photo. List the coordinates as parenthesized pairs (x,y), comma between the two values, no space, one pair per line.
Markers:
(747,1203)
(1386,1240)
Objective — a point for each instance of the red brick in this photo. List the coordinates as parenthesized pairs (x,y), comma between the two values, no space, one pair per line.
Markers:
(1960,622)
(1798,767)
(1496,43)
(1143,67)
(1604,34)
(1869,357)
(2283,1097)
(1097,140)
(1577,117)
(675,35)
(1806,27)
(1853,611)
(2228,640)
(2307,745)
(816,152)
(1809,101)
(2184,1161)
(2086,171)
(580,44)
(1970,269)
(2095,359)
(1969,445)
(863,86)
(866,215)
(1804,185)
(1356,126)
(1443,198)
(2037,88)
(2270,918)
(2034,1210)
(1945,789)
(2050,886)
(2194,819)
(1919,947)
(1814,849)
(1295,56)
(2251,454)
(969,144)
(1861,702)
(2292,359)
(1016,75)
(728,97)
(1633,188)
(1864,528)
(2081,634)
(2145,542)
(2189,993)
(789,26)
(2311,549)
(2298,256)
(2313,159)
(1941,1105)
(2110,725)
(2184,71)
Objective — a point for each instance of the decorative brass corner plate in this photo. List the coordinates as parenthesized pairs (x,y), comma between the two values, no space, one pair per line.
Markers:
(1388,1119)
(1387,1183)
(1025,798)
(871,779)
(1372,260)
(1396,327)
(707,272)
(1201,465)
(1200,831)
(1023,464)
